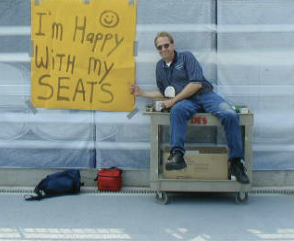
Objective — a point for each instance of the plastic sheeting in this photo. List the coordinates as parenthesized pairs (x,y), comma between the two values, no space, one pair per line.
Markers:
(246,50)
(255,67)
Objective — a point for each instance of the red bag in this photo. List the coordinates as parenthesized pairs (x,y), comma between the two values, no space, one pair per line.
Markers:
(109,179)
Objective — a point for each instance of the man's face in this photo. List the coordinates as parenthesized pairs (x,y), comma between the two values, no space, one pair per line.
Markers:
(165,48)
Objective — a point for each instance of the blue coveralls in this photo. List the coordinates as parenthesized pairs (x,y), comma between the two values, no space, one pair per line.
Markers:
(186,69)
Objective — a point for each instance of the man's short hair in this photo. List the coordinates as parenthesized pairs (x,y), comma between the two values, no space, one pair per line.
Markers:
(163,34)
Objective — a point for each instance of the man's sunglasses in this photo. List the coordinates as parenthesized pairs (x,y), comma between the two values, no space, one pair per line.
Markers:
(166,46)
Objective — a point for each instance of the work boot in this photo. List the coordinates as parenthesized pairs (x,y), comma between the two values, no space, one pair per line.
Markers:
(238,170)
(175,161)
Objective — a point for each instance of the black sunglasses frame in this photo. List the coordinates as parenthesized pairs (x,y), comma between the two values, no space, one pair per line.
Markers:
(166,46)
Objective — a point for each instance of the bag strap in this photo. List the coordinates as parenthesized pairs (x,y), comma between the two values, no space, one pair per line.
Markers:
(29,197)
(120,170)
(38,195)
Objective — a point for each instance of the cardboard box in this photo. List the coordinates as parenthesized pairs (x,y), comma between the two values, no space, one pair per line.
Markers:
(157,103)
(210,163)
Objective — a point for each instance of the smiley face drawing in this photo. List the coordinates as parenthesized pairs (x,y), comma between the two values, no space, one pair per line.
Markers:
(109,19)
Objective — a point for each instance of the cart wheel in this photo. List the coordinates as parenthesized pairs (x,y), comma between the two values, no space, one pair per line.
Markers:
(162,197)
(241,197)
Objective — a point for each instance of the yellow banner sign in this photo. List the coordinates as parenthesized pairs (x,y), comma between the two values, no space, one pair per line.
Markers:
(83,54)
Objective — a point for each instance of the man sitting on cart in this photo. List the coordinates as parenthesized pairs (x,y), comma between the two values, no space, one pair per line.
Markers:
(180,73)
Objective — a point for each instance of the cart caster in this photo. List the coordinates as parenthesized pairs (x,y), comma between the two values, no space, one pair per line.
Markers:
(162,197)
(241,197)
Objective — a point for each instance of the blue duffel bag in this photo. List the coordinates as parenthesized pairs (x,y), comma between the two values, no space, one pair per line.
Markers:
(59,183)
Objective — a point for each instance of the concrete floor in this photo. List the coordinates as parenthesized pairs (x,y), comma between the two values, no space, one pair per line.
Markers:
(117,217)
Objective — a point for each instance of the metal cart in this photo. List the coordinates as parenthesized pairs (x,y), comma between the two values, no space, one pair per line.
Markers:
(162,185)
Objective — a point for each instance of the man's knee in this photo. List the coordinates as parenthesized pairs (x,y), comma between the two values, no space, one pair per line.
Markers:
(180,109)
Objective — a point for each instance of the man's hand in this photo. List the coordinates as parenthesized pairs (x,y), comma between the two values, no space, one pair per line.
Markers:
(168,103)
(135,90)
